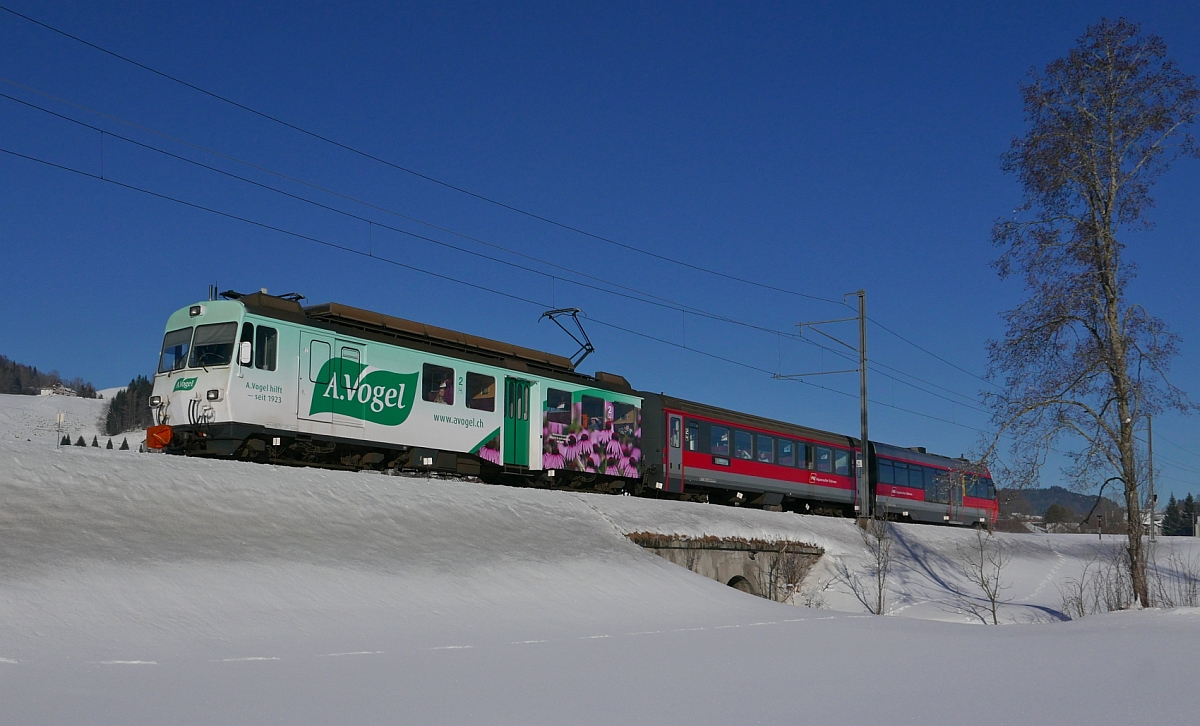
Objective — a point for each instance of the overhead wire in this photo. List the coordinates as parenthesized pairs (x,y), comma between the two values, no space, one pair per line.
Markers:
(450,278)
(413,172)
(637,294)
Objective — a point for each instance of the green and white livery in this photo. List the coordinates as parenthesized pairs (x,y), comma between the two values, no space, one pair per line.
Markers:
(262,377)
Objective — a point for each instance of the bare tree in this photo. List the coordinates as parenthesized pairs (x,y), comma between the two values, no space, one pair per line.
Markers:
(983,563)
(1079,359)
(877,537)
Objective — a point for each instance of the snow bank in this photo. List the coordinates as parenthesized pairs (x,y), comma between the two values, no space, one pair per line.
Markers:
(142,588)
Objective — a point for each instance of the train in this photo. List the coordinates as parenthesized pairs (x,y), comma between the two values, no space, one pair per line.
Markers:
(263,378)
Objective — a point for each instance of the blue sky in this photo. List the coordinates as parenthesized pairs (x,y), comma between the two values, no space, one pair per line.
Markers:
(820,148)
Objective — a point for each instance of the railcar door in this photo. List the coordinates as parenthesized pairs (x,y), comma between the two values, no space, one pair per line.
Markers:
(317,370)
(956,501)
(674,452)
(516,421)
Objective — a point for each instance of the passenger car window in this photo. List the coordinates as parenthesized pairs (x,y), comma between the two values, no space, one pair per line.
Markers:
(720,441)
(558,407)
(841,462)
(593,413)
(764,449)
(804,455)
(481,392)
(438,384)
(692,437)
(824,459)
(886,472)
(175,350)
(743,444)
(675,433)
(625,418)
(787,452)
(266,343)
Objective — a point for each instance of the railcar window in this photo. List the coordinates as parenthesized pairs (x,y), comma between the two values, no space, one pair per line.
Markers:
(558,407)
(247,336)
(674,432)
(743,444)
(212,345)
(593,413)
(318,356)
(691,438)
(887,474)
(824,459)
(841,462)
(437,384)
(351,370)
(764,449)
(804,455)
(481,392)
(720,441)
(625,419)
(175,350)
(787,452)
(266,345)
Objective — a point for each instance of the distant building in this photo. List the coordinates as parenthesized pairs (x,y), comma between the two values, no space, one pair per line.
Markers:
(56,390)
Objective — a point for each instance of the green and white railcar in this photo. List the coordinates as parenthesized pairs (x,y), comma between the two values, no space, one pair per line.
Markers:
(261,377)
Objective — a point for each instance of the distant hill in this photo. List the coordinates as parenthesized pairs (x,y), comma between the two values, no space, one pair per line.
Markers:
(1037,501)
(19,378)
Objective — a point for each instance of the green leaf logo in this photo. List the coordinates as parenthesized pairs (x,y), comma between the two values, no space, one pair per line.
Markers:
(185,384)
(348,388)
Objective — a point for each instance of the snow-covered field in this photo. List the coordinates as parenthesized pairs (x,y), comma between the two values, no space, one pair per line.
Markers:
(139,588)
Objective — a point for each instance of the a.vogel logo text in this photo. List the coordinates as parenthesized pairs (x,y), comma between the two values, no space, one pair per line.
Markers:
(349,388)
(185,384)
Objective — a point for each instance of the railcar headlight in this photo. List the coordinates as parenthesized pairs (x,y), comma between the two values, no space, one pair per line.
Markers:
(214,394)
(196,310)
(156,401)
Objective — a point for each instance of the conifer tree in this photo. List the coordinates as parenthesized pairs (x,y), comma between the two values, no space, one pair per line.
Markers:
(95,442)
(1172,519)
(81,442)
(1188,515)
(109,446)
(66,441)
(125,444)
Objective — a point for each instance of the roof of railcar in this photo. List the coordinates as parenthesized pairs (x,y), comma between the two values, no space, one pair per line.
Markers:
(411,334)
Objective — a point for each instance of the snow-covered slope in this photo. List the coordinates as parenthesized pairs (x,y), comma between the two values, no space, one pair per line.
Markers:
(34,418)
(140,588)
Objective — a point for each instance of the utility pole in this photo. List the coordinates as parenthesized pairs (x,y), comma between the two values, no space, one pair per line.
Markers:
(1150,479)
(864,483)
(863,489)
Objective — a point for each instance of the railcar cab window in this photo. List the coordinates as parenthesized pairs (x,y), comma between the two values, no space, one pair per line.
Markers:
(212,345)
(247,337)
(720,441)
(437,384)
(558,407)
(266,348)
(175,350)
(824,459)
(592,413)
(481,392)
(691,438)
(764,449)
(743,445)
(625,417)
